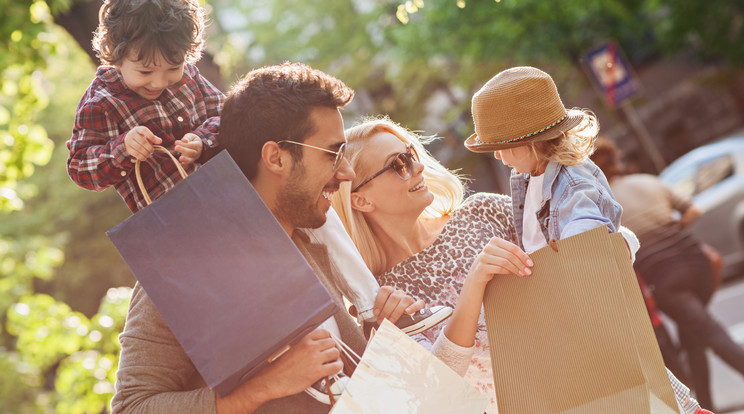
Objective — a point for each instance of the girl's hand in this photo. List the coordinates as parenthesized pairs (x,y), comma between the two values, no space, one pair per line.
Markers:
(500,257)
(139,142)
(190,147)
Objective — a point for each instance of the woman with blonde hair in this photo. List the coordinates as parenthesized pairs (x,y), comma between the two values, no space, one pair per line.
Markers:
(406,214)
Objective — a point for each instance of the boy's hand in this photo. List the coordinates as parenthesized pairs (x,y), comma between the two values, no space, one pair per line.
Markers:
(139,142)
(190,147)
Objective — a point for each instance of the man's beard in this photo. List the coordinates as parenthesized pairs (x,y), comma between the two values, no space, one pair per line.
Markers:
(294,204)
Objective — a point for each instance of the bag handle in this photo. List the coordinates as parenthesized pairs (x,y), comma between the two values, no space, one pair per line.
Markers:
(348,357)
(346,351)
(138,175)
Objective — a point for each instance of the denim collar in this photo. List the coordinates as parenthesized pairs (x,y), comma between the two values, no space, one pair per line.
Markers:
(551,174)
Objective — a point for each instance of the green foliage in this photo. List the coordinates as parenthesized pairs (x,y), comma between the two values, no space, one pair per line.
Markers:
(26,43)
(81,353)
(45,329)
(21,262)
(53,358)
(85,379)
(439,58)
(423,73)
(20,384)
(539,30)
(711,29)
(351,39)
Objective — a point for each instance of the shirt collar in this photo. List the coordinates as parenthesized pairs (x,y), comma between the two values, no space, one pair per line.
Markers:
(112,78)
(551,174)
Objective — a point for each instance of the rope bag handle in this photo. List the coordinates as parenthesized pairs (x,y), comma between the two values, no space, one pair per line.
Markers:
(138,174)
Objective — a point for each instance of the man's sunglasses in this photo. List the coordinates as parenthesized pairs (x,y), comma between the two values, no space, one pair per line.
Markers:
(402,164)
(339,154)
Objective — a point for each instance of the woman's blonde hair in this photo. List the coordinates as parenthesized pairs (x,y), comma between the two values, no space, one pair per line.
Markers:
(446,185)
(575,145)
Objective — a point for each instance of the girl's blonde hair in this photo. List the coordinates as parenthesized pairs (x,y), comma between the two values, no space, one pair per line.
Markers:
(575,145)
(446,185)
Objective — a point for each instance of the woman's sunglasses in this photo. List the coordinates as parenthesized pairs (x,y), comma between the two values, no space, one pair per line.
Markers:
(402,164)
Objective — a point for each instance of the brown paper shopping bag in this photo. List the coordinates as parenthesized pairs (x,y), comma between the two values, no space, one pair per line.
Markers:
(575,337)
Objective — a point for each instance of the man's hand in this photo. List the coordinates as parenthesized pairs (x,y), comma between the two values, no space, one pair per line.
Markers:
(311,359)
(139,142)
(190,147)
(392,303)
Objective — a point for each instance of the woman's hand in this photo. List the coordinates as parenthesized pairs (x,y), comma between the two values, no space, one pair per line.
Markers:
(500,257)
(392,303)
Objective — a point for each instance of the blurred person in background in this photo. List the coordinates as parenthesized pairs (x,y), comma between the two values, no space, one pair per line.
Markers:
(677,267)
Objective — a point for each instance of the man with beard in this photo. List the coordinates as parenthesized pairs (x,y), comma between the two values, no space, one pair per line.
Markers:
(283,128)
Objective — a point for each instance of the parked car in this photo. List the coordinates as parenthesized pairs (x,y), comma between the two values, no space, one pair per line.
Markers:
(713,175)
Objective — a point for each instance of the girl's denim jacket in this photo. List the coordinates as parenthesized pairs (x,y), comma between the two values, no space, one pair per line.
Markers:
(574,199)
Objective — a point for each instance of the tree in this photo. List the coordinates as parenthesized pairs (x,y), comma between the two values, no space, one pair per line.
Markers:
(48,219)
(23,144)
(423,73)
(711,30)
(46,348)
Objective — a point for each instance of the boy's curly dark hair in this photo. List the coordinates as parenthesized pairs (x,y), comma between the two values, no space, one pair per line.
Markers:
(172,29)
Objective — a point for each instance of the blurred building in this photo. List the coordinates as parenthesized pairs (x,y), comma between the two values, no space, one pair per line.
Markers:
(682,104)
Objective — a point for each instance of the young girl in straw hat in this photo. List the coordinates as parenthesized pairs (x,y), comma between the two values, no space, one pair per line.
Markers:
(556,190)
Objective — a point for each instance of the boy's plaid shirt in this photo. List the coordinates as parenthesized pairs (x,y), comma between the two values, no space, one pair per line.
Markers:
(109,109)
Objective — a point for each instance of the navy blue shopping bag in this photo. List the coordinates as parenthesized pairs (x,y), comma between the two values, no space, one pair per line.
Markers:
(222,272)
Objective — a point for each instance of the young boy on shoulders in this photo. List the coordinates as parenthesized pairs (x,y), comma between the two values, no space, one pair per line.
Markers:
(146,92)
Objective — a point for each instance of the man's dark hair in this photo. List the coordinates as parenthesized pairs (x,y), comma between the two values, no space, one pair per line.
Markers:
(273,103)
(171,28)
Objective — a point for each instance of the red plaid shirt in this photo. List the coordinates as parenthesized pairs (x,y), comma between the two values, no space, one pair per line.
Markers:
(109,109)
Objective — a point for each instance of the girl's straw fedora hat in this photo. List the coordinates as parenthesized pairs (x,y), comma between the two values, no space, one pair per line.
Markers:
(518,106)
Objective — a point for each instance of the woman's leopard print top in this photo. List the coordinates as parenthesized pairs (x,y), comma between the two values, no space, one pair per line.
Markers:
(437,273)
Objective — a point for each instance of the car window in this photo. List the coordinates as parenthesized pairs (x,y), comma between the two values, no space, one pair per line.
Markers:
(685,185)
(712,173)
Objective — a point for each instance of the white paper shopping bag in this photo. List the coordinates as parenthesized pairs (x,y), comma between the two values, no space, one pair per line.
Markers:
(397,375)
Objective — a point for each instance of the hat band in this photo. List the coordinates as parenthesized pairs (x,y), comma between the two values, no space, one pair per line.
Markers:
(478,141)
